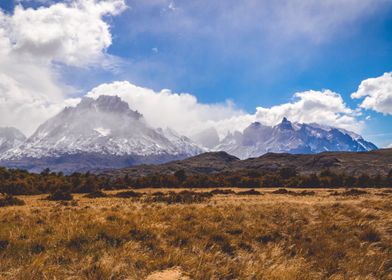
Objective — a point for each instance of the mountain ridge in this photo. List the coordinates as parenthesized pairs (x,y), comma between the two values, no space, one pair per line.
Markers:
(351,163)
(287,137)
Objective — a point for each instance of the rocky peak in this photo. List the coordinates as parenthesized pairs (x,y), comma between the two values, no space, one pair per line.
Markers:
(285,124)
(109,104)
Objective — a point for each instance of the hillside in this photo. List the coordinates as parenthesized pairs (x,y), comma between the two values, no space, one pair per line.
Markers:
(371,163)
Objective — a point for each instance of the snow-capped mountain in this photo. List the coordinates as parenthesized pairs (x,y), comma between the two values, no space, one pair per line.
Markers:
(258,139)
(10,137)
(105,127)
(106,133)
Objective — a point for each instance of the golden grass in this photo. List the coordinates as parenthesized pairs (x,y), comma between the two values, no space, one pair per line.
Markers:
(268,236)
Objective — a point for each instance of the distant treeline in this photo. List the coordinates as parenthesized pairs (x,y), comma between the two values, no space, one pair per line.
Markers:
(22,182)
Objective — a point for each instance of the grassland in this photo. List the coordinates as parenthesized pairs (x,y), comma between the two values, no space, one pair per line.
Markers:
(294,235)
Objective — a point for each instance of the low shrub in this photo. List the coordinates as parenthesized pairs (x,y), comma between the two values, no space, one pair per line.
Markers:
(128,194)
(222,191)
(281,191)
(96,194)
(249,192)
(354,192)
(60,195)
(183,197)
(9,200)
(370,235)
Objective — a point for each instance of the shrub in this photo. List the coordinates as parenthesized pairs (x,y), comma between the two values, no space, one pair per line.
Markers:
(220,191)
(128,194)
(281,191)
(370,235)
(9,200)
(60,195)
(249,192)
(183,197)
(3,244)
(96,194)
(354,192)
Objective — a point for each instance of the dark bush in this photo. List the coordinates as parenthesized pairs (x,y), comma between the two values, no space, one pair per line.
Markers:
(128,194)
(281,191)
(60,195)
(370,235)
(304,193)
(220,191)
(183,197)
(9,200)
(96,194)
(249,192)
(354,192)
(3,244)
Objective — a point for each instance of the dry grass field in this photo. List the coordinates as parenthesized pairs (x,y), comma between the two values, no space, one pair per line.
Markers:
(294,235)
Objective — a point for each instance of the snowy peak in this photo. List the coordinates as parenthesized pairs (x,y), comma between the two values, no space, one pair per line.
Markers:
(288,137)
(10,137)
(285,124)
(103,126)
(108,104)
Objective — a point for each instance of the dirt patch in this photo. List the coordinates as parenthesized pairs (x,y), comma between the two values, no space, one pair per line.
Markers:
(168,274)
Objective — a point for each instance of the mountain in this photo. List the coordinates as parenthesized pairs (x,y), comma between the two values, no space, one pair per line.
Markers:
(10,137)
(351,163)
(288,137)
(101,133)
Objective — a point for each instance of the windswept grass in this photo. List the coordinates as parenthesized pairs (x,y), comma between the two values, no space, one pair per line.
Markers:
(223,236)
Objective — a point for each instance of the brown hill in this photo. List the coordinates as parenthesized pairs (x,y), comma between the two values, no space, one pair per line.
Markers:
(371,163)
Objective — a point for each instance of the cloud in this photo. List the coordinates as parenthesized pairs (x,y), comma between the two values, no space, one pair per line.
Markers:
(180,111)
(322,107)
(184,113)
(71,34)
(35,44)
(377,94)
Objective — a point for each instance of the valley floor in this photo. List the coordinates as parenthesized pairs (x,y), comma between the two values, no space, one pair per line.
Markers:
(325,235)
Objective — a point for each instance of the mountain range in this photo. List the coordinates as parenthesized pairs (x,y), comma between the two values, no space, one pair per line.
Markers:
(288,137)
(105,133)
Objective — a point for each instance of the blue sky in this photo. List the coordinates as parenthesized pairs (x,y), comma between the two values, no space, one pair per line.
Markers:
(254,53)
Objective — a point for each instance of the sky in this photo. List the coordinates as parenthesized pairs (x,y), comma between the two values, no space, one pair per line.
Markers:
(192,65)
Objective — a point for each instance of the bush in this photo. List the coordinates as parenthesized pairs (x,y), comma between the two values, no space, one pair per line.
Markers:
(219,191)
(249,192)
(354,192)
(128,194)
(9,200)
(281,191)
(96,194)
(370,235)
(60,195)
(183,197)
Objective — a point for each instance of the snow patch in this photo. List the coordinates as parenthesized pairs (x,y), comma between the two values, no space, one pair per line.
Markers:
(103,131)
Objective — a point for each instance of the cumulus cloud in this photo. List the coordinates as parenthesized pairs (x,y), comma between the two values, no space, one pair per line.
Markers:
(35,43)
(180,111)
(185,114)
(376,94)
(323,107)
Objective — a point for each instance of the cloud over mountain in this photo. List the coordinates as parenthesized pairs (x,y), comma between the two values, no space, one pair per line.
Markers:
(187,115)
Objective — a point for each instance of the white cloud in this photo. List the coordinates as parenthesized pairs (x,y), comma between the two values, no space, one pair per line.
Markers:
(167,109)
(33,42)
(377,94)
(186,115)
(71,34)
(322,107)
